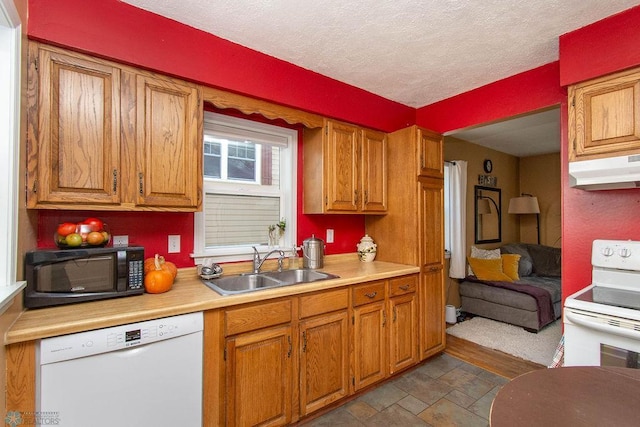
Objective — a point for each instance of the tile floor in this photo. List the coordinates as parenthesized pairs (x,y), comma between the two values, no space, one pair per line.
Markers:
(444,391)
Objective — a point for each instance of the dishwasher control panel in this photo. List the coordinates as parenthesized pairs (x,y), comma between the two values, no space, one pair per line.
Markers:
(115,338)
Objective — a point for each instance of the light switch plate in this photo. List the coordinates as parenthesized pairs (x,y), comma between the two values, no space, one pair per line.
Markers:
(329,235)
(174,244)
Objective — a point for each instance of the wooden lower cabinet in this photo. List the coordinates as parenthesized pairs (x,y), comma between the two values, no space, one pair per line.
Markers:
(275,362)
(434,328)
(259,377)
(324,360)
(403,323)
(369,338)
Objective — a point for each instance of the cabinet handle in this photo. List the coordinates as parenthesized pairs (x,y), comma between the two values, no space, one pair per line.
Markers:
(290,347)
(366,197)
(115,180)
(395,314)
(421,161)
(404,287)
(384,318)
(371,295)
(304,341)
(355,196)
(140,183)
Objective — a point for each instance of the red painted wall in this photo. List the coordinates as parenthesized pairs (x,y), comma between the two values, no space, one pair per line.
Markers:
(522,93)
(603,47)
(148,229)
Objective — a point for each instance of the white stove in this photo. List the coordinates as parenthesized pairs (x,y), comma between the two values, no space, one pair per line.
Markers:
(602,321)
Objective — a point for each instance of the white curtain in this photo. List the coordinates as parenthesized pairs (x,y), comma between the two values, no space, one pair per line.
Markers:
(458,212)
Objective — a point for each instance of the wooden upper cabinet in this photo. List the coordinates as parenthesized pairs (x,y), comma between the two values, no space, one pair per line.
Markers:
(432,221)
(345,169)
(431,155)
(374,171)
(74,144)
(604,116)
(341,167)
(169,142)
(106,136)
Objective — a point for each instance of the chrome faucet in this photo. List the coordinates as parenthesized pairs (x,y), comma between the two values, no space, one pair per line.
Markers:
(257,262)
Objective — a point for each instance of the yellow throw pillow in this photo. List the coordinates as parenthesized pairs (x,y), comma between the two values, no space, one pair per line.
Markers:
(489,269)
(510,265)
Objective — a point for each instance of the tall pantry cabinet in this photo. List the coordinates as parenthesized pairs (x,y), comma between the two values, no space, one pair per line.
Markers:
(412,232)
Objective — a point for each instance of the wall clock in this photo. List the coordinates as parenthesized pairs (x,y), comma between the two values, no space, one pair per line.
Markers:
(488,166)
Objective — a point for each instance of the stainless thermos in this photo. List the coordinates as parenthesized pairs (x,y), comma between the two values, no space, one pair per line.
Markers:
(312,252)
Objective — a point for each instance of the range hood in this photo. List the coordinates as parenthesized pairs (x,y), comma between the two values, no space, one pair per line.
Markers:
(606,174)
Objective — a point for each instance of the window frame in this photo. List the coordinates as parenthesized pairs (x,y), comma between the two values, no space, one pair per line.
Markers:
(287,139)
(10,48)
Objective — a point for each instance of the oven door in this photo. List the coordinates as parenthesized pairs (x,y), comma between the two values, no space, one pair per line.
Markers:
(595,339)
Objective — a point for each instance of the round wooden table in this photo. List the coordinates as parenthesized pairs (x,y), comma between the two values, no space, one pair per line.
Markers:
(570,396)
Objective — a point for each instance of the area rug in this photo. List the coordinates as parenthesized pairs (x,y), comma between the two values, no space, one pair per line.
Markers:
(539,348)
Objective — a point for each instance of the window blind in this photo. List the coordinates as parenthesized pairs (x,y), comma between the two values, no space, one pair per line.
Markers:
(239,220)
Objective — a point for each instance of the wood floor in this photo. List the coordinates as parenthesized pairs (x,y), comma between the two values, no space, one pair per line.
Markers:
(499,363)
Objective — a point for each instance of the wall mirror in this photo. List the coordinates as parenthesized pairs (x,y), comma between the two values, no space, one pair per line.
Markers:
(488,204)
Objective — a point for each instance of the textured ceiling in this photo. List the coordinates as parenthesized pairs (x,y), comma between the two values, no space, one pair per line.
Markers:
(415,52)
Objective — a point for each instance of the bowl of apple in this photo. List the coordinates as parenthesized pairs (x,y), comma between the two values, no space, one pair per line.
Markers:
(92,232)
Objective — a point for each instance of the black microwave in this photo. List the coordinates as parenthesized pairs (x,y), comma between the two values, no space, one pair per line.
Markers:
(66,276)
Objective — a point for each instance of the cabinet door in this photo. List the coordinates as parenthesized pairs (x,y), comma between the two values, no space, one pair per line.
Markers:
(324,360)
(169,142)
(78,130)
(403,326)
(341,167)
(259,377)
(369,342)
(432,221)
(403,332)
(374,171)
(432,324)
(431,154)
(604,116)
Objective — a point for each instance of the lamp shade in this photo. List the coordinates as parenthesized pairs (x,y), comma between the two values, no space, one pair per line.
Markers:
(524,205)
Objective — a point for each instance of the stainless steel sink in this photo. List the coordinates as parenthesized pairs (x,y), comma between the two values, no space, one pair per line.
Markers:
(299,276)
(271,279)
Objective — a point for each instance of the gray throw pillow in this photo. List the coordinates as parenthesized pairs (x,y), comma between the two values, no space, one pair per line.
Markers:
(525,265)
(546,260)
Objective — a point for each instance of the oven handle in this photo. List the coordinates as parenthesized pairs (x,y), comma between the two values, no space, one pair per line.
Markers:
(580,320)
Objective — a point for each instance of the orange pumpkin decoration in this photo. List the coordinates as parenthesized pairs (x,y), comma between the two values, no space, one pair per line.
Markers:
(150,265)
(158,280)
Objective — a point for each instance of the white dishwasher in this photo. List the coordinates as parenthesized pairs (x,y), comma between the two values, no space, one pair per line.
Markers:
(146,374)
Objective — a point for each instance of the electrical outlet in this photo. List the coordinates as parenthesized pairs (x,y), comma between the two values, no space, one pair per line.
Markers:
(174,244)
(329,235)
(120,241)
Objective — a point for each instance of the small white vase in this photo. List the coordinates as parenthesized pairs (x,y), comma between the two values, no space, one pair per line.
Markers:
(366,249)
(367,256)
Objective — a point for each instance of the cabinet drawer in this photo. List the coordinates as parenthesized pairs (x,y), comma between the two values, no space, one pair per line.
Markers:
(402,285)
(368,292)
(323,302)
(257,316)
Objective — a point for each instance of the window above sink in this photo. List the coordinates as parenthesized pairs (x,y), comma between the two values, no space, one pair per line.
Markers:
(249,185)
